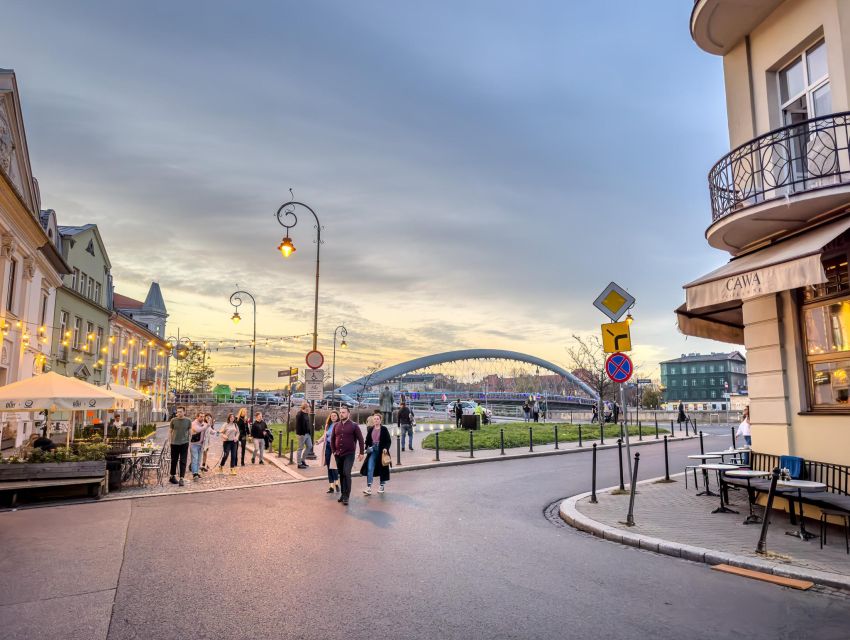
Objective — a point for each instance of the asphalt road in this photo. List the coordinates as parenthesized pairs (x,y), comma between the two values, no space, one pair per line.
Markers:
(457,552)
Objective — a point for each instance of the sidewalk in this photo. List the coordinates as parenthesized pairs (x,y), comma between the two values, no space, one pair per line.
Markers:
(672,520)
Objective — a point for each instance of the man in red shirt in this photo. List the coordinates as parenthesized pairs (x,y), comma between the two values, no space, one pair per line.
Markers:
(346,438)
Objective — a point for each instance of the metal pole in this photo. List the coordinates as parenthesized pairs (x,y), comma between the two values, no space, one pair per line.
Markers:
(290,452)
(556,436)
(656,429)
(437,446)
(620,458)
(626,430)
(602,429)
(630,518)
(666,462)
(579,436)
(398,448)
(734,439)
(762,544)
(280,445)
(701,445)
(471,451)
(501,441)
(530,440)
(673,429)
(593,478)
(640,432)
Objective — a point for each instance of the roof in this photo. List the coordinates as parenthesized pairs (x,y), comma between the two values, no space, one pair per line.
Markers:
(123,302)
(72,231)
(707,357)
(154,302)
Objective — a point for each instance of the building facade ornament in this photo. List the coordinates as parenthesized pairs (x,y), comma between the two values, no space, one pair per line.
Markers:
(29,268)
(7,245)
(8,154)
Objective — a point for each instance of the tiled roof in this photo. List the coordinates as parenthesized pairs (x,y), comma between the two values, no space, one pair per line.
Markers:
(123,302)
(154,302)
(707,357)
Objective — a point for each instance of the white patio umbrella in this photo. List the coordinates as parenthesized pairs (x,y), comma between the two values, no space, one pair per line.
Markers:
(55,392)
(134,394)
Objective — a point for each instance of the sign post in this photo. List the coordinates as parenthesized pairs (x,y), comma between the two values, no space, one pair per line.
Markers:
(619,368)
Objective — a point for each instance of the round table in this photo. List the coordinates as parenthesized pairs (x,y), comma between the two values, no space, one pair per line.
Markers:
(749,474)
(730,452)
(801,486)
(704,457)
(130,464)
(719,467)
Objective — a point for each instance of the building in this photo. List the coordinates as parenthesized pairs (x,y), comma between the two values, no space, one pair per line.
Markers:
(31,267)
(780,207)
(81,317)
(703,382)
(138,357)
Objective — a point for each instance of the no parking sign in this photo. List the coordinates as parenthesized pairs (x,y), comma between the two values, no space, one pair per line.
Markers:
(619,367)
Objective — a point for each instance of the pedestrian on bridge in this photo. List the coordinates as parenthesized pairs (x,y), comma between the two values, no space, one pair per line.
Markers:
(347,438)
(378,443)
(405,424)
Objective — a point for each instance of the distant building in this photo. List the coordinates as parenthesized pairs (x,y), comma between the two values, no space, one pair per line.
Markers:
(703,381)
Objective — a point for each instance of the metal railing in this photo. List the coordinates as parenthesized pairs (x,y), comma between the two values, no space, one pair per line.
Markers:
(836,477)
(812,154)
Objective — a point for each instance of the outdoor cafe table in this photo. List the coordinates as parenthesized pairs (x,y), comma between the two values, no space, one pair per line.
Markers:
(703,457)
(719,467)
(800,486)
(730,452)
(749,474)
(130,463)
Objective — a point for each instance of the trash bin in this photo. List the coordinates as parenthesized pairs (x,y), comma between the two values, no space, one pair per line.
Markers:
(469,422)
(113,468)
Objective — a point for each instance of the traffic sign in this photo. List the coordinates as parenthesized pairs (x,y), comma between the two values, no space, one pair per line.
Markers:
(614,301)
(616,337)
(313,384)
(315,359)
(644,381)
(619,367)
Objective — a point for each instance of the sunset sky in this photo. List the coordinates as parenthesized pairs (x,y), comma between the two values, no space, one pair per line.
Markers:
(481,169)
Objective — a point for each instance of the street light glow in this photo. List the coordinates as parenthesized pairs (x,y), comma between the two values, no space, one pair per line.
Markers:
(286,247)
(236,317)
(344,344)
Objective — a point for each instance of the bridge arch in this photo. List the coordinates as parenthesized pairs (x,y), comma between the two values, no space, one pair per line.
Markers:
(390,373)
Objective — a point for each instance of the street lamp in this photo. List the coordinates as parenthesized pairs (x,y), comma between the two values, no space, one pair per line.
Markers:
(343,332)
(236,301)
(287,248)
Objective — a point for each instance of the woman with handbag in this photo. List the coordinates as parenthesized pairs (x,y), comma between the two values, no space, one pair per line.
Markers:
(230,438)
(378,462)
(329,459)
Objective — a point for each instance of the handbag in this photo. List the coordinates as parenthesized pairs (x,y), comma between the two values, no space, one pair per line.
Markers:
(332,463)
(386,458)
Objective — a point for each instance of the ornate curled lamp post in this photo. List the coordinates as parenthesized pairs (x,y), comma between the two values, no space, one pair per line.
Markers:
(344,345)
(236,301)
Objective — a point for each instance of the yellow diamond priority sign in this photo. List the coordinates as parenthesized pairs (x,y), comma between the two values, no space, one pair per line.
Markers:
(614,301)
(616,337)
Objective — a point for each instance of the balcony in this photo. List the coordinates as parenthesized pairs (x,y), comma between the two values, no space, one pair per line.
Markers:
(780,183)
(718,25)
(147,374)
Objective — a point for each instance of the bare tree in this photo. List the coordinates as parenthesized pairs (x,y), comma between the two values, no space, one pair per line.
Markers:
(587,359)
(367,376)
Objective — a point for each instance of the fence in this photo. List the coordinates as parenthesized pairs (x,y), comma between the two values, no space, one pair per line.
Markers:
(836,477)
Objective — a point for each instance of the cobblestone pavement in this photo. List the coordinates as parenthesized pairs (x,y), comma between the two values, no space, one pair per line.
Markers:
(670,512)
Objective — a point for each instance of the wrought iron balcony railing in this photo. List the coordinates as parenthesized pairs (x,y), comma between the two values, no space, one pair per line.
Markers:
(812,154)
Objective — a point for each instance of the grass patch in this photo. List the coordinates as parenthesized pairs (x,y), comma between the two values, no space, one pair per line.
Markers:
(516,435)
(280,430)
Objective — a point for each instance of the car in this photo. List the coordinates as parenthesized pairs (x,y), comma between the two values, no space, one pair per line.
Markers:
(338,400)
(296,399)
(468,409)
(264,397)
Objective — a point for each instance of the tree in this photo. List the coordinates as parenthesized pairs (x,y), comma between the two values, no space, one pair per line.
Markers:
(651,398)
(192,374)
(367,376)
(588,361)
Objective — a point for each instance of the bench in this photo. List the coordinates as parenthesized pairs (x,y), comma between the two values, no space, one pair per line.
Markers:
(15,478)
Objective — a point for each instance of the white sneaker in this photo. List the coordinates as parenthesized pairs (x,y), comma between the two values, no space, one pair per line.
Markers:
(367,491)
(381,490)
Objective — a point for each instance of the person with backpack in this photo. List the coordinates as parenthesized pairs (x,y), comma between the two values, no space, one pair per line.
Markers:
(258,433)
(405,424)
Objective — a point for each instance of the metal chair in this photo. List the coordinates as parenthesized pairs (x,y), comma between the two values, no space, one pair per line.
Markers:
(845,521)
(156,463)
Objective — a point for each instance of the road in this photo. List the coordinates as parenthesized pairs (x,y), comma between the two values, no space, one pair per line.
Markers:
(455,552)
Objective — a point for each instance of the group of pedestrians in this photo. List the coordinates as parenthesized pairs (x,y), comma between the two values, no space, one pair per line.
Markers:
(343,441)
(195,436)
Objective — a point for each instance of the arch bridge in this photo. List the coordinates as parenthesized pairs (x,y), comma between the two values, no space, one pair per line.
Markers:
(363,384)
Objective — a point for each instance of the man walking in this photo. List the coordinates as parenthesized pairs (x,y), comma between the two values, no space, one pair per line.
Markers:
(258,433)
(405,424)
(458,413)
(302,430)
(385,402)
(179,431)
(346,438)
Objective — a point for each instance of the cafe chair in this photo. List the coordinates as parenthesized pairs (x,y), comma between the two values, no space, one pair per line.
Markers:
(845,521)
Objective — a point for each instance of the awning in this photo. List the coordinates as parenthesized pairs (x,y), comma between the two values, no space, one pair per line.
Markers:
(721,322)
(786,265)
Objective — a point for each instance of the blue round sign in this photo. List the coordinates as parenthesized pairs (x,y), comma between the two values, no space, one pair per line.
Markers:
(619,367)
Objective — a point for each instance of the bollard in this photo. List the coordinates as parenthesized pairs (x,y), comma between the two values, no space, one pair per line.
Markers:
(630,518)
(579,436)
(762,545)
(291,450)
(571,417)
(471,450)
(593,478)
(701,445)
(656,422)
(673,429)
(280,445)
(640,431)
(437,445)
(398,448)
(666,462)
(687,421)
(656,429)
(694,425)
(502,441)
(620,456)
(601,432)
(530,440)
(556,436)
(734,439)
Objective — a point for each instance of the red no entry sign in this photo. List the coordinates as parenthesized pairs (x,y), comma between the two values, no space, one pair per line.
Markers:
(619,367)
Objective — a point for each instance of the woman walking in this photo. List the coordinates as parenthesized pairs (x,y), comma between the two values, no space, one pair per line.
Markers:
(230,441)
(210,421)
(196,442)
(378,441)
(329,460)
(244,431)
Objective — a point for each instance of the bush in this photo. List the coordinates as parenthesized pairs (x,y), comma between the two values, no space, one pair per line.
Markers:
(146,429)
(78,453)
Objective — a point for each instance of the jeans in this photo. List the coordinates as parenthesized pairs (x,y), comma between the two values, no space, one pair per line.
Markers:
(305,445)
(746,456)
(457,421)
(179,452)
(196,448)
(230,447)
(407,430)
(243,442)
(344,464)
(370,464)
(259,447)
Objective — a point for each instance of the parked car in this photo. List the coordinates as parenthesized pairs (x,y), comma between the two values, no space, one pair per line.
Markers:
(468,409)
(338,400)
(296,399)
(266,398)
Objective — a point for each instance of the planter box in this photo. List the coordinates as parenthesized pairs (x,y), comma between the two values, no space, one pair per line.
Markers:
(51,471)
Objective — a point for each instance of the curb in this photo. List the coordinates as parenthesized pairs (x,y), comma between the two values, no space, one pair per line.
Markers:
(573,517)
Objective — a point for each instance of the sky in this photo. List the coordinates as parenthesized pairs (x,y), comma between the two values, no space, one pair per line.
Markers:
(481,170)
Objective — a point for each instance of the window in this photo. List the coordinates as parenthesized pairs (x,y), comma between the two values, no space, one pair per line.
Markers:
(63,325)
(13,273)
(711,368)
(684,394)
(713,394)
(90,247)
(674,383)
(82,283)
(702,369)
(711,382)
(804,86)
(90,289)
(45,297)
(89,336)
(693,369)
(673,370)
(97,292)
(75,337)
(75,278)
(98,343)
(694,382)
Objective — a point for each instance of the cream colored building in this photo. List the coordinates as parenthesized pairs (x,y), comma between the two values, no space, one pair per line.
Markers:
(780,205)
